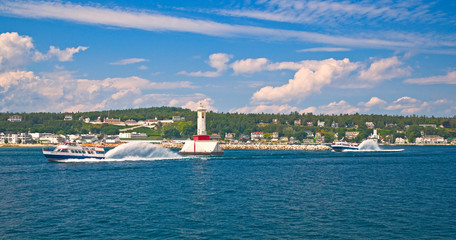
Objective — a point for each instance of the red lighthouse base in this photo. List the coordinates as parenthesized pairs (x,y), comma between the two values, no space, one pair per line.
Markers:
(201,145)
(201,137)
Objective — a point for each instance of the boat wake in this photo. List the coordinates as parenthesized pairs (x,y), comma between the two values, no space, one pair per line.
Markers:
(370,145)
(133,151)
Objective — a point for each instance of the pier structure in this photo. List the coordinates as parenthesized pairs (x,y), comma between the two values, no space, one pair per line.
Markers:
(201,143)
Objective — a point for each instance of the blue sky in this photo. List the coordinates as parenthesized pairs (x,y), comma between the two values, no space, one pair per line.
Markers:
(272,56)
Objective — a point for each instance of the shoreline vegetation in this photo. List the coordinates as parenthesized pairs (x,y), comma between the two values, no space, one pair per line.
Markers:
(302,147)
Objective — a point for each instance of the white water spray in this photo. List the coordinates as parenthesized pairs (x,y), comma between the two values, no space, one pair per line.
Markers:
(369,145)
(140,151)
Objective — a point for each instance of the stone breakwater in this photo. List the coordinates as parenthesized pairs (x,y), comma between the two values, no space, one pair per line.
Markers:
(278,147)
(263,147)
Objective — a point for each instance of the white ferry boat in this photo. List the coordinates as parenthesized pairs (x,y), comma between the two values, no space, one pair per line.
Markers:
(343,145)
(74,151)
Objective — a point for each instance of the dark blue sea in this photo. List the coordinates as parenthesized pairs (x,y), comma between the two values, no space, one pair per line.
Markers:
(409,194)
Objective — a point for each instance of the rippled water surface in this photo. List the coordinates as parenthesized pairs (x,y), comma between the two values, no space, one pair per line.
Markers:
(407,194)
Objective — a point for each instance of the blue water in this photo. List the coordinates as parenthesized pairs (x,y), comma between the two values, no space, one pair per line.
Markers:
(243,194)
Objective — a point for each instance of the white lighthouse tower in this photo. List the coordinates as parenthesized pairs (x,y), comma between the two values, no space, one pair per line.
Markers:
(201,144)
(201,124)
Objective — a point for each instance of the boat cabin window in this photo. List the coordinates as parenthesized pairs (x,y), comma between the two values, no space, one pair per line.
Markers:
(64,150)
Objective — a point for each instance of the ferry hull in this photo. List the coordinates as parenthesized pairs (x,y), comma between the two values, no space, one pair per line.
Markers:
(59,157)
(343,148)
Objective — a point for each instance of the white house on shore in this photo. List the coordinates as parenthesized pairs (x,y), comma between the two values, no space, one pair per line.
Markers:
(15,118)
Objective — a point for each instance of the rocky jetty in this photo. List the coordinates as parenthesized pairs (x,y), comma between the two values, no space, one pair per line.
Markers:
(263,147)
(277,147)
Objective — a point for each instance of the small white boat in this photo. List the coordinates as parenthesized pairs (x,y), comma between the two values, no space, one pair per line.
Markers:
(74,151)
(343,145)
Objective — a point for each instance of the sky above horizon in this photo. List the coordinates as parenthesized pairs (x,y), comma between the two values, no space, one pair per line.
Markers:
(271,56)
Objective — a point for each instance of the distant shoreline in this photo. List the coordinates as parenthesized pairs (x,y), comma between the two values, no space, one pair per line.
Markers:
(304,147)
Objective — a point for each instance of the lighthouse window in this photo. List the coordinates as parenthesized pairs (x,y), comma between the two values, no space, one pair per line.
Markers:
(202,115)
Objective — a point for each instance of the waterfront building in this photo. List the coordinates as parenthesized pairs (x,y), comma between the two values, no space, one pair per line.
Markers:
(113,121)
(428,125)
(256,135)
(400,140)
(351,134)
(178,118)
(297,122)
(130,122)
(309,124)
(320,123)
(309,133)
(111,139)
(68,118)
(15,118)
(370,125)
(433,139)
(230,136)
(215,136)
(374,136)
(319,137)
(275,135)
(244,136)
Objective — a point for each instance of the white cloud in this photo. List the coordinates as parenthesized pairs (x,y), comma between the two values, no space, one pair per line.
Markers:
(324,49)
(65,55)
(373,102)
(450,78)
(383,69)
(262,108)
(335,13)
(309,79)
(408,105)
(333,108)
(218,61)
(17,50)
(206,103)
(249,65)
(9,79)
(158,22)
(60,91)
(129,61)
(143,67)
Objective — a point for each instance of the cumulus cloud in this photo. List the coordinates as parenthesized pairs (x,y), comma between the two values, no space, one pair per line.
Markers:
(263,108)
(129,61)
(333,108)
(64,55)
(450,78)
(312,76)
(249,65)
(407,105)
(17,51)
(61,91)
(218,61)
(207,103)
(372,103)
(404,105)
(383,69)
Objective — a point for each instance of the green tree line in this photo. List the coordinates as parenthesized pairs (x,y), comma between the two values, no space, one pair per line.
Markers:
(221,123)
